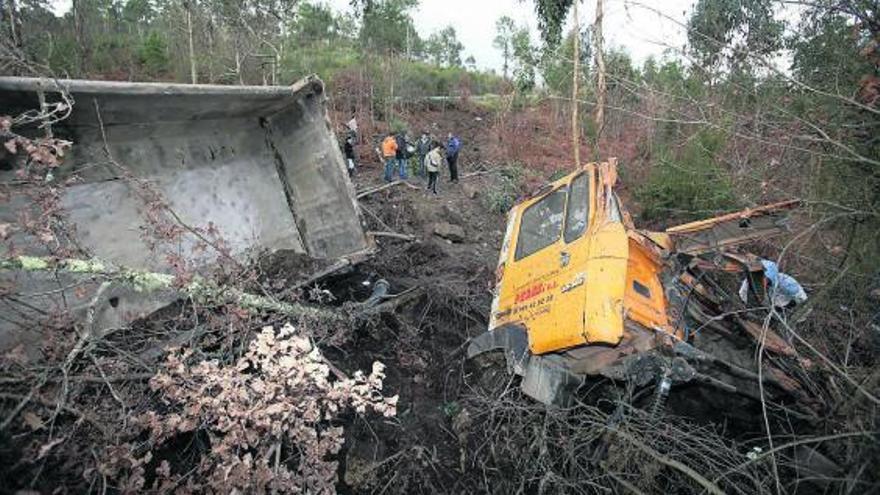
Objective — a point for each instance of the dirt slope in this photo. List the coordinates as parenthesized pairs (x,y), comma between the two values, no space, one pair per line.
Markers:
(423,342)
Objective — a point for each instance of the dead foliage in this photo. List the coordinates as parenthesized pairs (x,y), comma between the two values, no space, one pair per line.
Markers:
(263,423)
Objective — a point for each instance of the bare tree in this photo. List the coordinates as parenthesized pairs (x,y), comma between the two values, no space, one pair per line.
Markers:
(600,69)
(575,131)
(187,7)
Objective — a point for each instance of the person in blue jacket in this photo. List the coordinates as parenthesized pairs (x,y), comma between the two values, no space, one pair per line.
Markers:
(453,146)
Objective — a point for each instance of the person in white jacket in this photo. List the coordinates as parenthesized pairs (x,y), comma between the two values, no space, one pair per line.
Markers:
(433,162)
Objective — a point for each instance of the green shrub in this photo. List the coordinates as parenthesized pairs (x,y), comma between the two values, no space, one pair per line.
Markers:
(327,60)
(502,195)
(398,125)
(153,55)
(690,184)
(555,176)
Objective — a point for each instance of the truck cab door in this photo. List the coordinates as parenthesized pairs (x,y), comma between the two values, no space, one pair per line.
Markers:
(544,275)
(607,265)
(564,325)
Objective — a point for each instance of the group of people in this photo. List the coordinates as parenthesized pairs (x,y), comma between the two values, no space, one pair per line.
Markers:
(430,155)
(397,149)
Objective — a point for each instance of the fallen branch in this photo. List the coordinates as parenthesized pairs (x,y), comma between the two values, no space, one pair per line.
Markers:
(478,173)
(22,402)
(868,435)
(369,191)
(681,467)
(375,217)
(133,377)
(343,265)
(330,270)
(393,301)
(858,386)
(626,484)
(199,289)
(393,235)
(49,404)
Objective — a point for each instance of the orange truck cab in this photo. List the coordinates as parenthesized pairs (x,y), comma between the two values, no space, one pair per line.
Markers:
(579,291)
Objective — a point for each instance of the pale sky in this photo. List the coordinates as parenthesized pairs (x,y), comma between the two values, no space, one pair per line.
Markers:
(632,24)
(643,27)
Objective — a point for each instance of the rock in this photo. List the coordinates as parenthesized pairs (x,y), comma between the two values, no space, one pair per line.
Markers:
(452,216)
(448,231)
(470,191)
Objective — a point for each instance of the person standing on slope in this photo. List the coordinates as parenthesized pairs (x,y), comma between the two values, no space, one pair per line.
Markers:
(389,154)
(348,151)
(423,147)
(401,154)
(453,146)
(433,161)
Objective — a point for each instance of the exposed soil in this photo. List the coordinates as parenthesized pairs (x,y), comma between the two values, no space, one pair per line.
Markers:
(423,343)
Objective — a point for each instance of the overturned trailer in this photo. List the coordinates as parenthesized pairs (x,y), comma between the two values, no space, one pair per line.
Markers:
(257,167)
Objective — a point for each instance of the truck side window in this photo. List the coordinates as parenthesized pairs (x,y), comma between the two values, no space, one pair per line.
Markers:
(541,224)
(614,209)
(578,208)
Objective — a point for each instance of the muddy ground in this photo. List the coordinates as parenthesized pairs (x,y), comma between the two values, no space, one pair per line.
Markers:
(423,342)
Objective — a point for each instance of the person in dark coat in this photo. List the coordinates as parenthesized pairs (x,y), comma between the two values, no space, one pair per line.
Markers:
(423,147)
(348,152)
(401,155)
(453,146)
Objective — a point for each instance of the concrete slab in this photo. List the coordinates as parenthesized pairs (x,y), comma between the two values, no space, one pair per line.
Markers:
(260,165)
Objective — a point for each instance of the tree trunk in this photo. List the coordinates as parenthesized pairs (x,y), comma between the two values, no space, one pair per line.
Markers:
(600,67)
(211,57)
(238,65)
(276,63)
(14,34)
(407,43)
(192,50)
(390,112)
(50,47)
(78,35)
(372,104)
(575,125)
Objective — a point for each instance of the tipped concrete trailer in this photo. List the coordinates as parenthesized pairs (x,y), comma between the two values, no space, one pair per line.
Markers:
(258,165)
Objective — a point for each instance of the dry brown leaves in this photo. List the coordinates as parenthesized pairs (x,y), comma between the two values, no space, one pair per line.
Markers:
(271,419)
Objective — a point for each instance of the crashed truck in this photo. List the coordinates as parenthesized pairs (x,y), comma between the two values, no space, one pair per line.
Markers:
(260,165)
(581,294)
